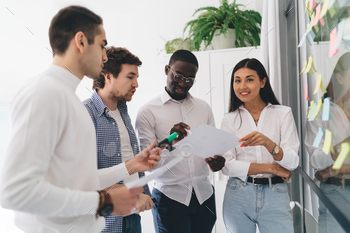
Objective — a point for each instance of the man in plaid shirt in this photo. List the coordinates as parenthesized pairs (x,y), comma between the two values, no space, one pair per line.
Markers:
(116,139)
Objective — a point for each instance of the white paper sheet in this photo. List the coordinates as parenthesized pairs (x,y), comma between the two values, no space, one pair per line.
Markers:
(147,178)
(207,141)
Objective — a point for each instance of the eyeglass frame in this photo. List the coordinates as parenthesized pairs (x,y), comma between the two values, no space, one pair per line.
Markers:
(183,77)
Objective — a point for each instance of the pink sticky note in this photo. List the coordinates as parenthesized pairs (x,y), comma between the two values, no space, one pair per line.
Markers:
(332,38)
(312,4)
(322,21)
(306,91)
(317,17)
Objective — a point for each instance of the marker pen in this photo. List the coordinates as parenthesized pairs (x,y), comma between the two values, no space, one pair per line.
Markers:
(167,140)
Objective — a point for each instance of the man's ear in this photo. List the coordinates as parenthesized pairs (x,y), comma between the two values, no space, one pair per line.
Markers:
(108,77)
(167,69)
(80,41)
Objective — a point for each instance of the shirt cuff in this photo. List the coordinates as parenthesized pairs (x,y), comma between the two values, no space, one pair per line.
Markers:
(238,169)
(112,175)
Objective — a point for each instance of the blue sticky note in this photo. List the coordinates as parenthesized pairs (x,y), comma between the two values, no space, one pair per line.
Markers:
(341,27)
(326,115)
(341,2)
(311,118)
(302,40)
(312,34)
(318,137)
(330,4)
(308,40)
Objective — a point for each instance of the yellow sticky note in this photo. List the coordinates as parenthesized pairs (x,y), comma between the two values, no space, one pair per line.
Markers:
(309,65)
(345,148)
(311,20)
(324,8)
(319,104)
(319,85)
(327,146)
(311,107)
(305,64)
(332,12)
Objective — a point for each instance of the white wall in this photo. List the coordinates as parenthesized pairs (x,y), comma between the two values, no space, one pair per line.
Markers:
(140,26)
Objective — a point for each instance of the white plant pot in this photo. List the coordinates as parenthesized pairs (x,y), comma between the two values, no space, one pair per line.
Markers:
(224,42)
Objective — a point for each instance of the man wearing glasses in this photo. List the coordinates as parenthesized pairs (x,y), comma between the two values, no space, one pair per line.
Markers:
(185,200)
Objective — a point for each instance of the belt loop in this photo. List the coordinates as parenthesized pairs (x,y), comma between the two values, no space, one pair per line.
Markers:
(245,182)
(270,182)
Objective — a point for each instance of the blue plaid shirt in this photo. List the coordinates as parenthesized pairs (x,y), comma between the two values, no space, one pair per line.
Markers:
(108,144)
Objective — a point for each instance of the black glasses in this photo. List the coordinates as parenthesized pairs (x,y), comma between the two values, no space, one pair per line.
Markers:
(179,77)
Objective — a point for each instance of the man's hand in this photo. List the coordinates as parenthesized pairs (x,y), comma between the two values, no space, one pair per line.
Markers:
(179,128)
(278,170)
(216,163)
(144,202)
(124,199)
(145,160)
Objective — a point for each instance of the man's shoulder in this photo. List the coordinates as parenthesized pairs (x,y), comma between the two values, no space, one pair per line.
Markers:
(200,102)
(156,102)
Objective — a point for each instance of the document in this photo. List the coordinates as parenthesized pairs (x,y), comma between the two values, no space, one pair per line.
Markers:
(147,178)
(207,141)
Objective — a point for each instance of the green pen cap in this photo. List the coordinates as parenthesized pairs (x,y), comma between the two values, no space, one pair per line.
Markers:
(172,136)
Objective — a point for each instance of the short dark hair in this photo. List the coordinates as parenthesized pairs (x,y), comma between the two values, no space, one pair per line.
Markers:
(70,20)
(185,56)
(266,92)
(116,57)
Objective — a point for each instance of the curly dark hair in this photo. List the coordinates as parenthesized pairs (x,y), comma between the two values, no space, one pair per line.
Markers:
(116,57)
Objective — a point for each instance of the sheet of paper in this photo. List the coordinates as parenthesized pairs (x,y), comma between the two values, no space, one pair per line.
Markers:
(207,141)
(147,178)
(311,108)
(327,145)
(318,137)
(326,114)
(345,148)
(306,88)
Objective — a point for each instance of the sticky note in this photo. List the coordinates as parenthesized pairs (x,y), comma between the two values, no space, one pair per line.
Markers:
(341,3)
(318,107)
(324,9)
(306,88)
(327,145)
(317,17)
(309,65)
(311,108)
(332,38)
(305,64)
(332,12)
(326,114)
(312,34)
(331,2)
(345,148)
(341,27)
(309,24)
(318,137)
(306,5)
(319,85)
(311,118)
(302,40)
(308,40)
(312,4)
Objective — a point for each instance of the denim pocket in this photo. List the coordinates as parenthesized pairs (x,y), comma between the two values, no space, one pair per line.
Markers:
(280,187)
(234,183)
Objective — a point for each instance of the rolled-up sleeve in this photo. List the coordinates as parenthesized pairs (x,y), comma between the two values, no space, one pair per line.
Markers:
(289,142)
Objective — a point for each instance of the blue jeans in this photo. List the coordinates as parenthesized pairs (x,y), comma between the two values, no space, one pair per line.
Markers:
(170,216)
(132,223)
(246,205)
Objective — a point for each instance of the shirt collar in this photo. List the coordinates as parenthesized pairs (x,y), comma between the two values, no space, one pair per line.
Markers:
(99,104)
(242,106)
(166,97)
(65,75)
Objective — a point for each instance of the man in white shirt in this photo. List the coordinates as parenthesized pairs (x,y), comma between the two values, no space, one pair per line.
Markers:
(185,200)
(50,175)
(116,139)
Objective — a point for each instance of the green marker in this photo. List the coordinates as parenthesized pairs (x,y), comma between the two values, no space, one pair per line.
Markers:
(167,140)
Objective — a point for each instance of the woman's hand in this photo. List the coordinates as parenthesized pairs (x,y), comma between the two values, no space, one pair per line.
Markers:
(255,139)
(278,170)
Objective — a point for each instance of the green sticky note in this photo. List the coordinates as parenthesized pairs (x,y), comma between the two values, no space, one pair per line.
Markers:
(345,148)
(332,12)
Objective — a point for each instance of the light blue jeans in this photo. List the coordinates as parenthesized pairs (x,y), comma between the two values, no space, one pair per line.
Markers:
(246,205)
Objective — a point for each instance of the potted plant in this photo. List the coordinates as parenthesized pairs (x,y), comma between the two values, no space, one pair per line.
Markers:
(214,21)
(176,44)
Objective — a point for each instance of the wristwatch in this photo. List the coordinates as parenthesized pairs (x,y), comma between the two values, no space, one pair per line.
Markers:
(275,150)
(105,207)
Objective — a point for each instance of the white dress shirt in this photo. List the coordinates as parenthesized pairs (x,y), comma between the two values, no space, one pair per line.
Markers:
(154,121)
(50,174)
(277,123)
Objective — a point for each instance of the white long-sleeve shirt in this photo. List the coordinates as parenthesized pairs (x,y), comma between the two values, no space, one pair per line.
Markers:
(275,122)
(49,176)
(154,121)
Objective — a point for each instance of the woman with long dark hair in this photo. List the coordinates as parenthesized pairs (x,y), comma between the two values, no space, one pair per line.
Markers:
(256,192)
